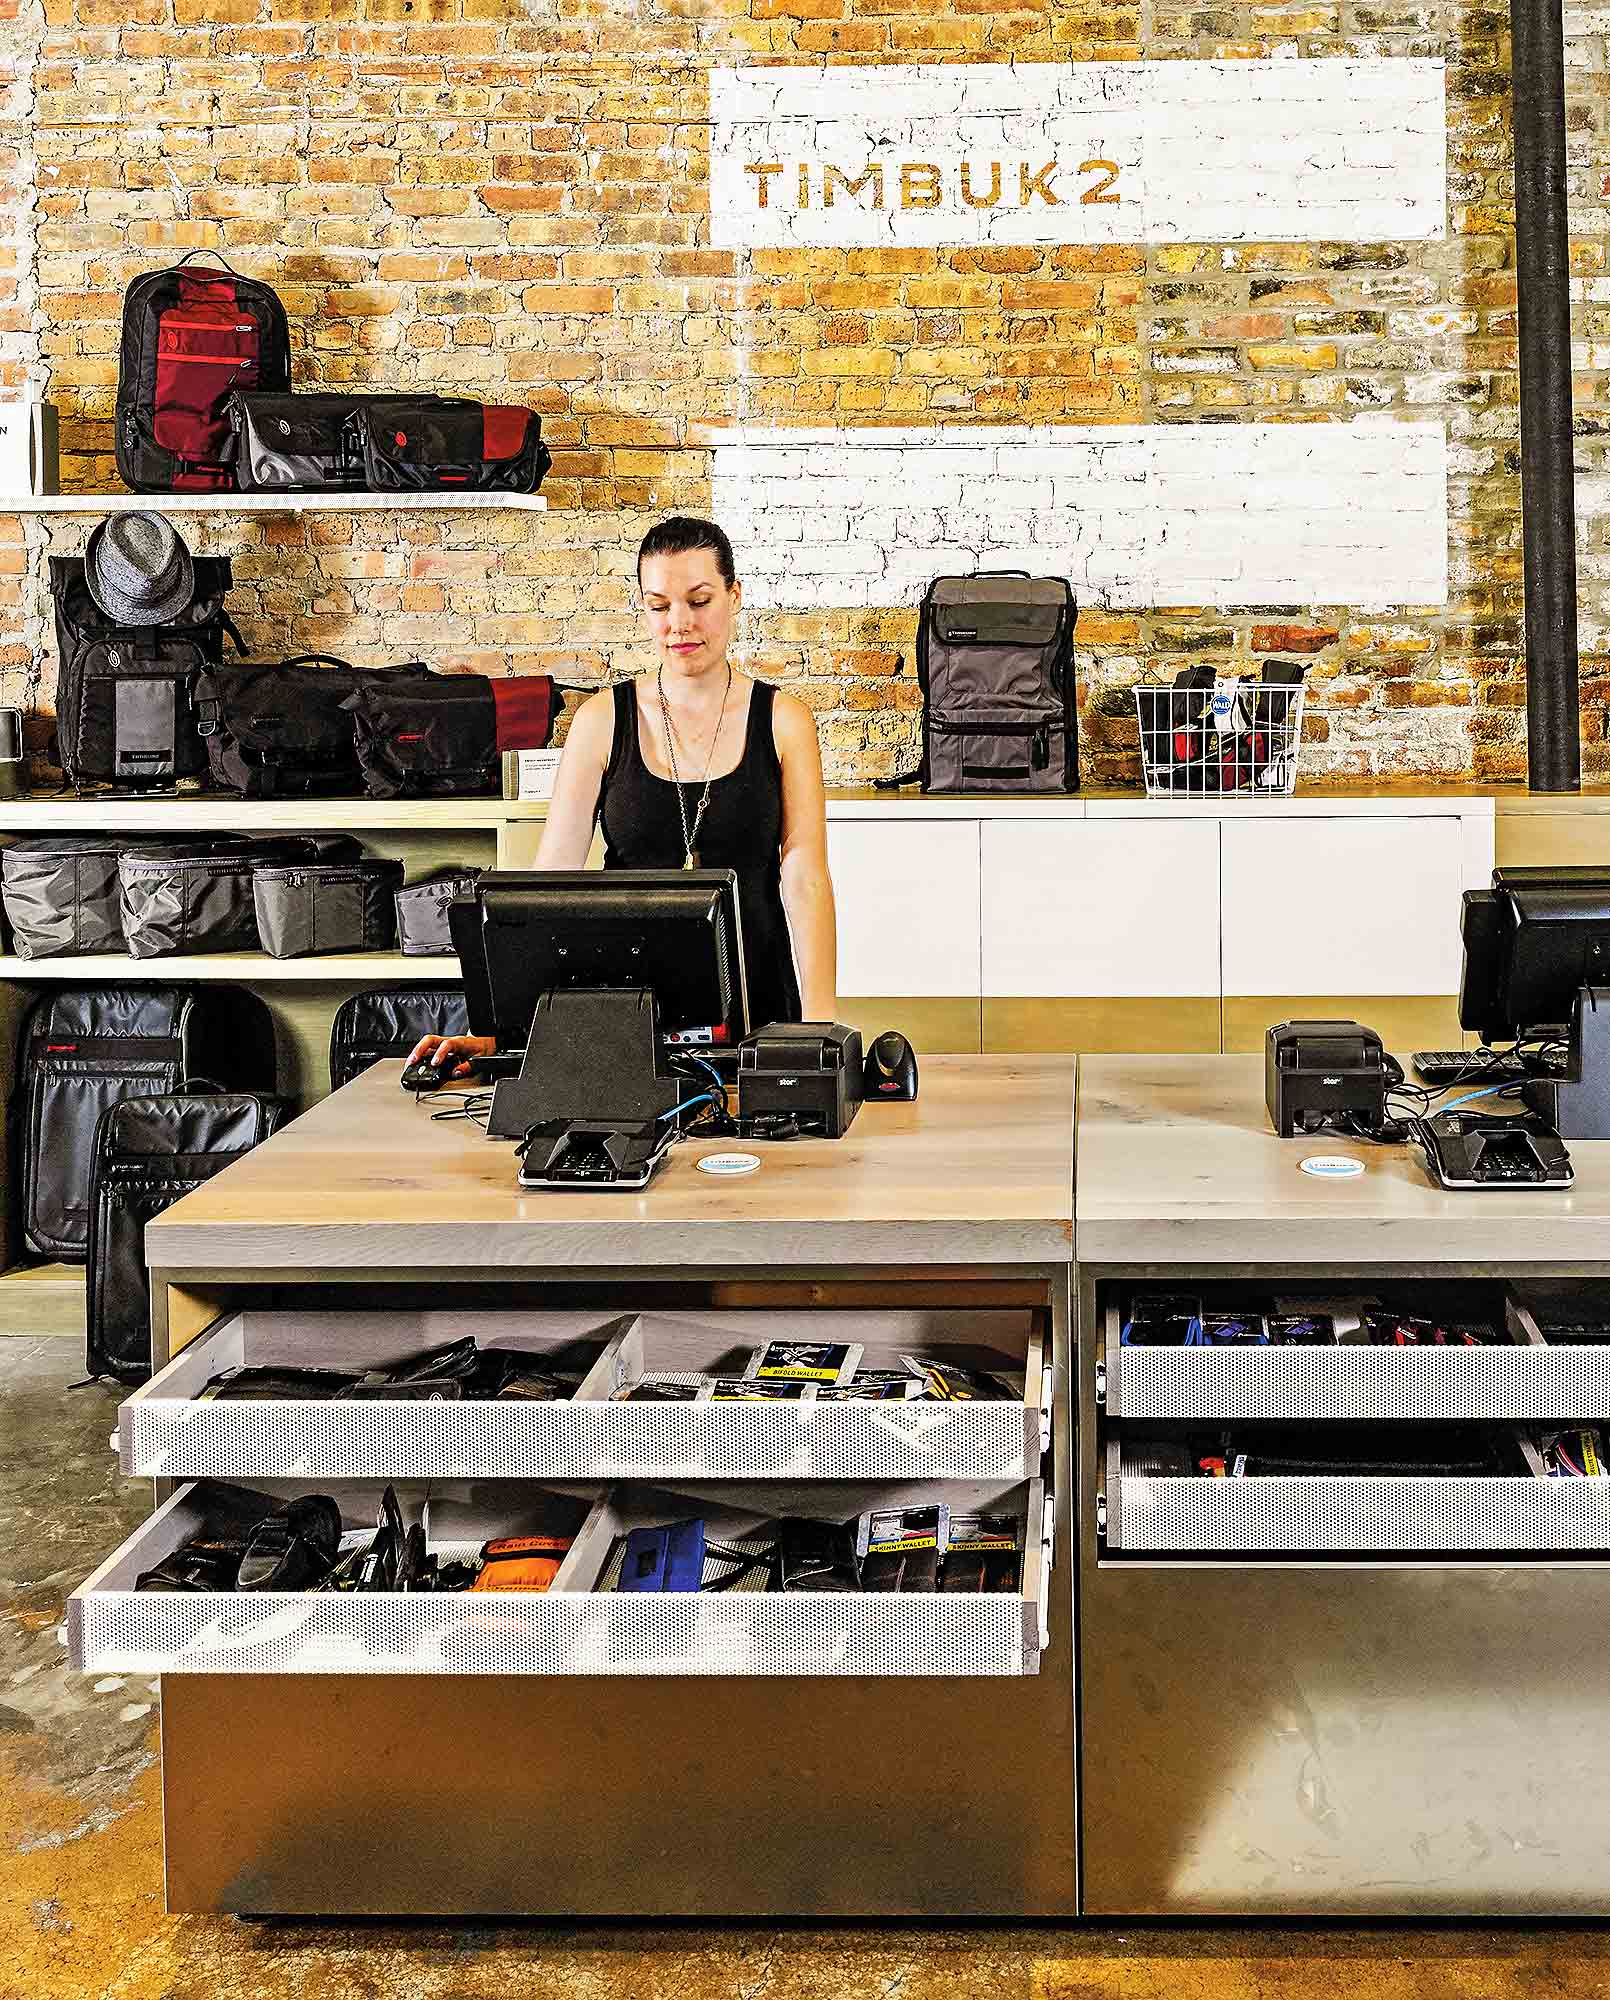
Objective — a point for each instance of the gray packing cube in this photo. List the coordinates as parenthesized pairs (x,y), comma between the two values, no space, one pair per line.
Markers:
(61,892)
(320,906)
(201,900)
(422,910)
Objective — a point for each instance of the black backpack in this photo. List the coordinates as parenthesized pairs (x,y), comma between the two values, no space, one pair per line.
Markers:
(996,667)
(126,694)
(81,1049)
(387,1021)
(282,731)
(148,1152)
(191,338)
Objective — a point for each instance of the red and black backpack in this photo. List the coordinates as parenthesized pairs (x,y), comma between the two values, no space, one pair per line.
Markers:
(190,338)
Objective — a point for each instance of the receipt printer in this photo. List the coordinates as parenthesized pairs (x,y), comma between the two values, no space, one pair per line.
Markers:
(1323,1074)
(802,1076)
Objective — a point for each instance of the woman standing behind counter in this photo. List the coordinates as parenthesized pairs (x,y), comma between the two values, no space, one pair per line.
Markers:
(697,765)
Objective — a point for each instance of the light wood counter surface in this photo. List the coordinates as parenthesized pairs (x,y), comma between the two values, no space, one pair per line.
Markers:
(978,1171)
(1178,1164)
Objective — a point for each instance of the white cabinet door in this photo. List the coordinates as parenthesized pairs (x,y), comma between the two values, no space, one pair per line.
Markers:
(1342,906)
(907,896)
(1100,908)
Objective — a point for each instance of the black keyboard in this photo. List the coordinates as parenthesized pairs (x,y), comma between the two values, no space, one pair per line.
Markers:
(1442,1067)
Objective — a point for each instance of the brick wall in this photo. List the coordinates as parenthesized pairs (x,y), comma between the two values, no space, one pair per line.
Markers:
(511,197)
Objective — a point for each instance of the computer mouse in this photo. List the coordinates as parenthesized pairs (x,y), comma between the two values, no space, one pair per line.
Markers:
(890,1069)
(423,1076)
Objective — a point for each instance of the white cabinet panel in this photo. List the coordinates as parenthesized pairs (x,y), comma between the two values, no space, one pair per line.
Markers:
(1097,908)
(1341,906)
(907,900)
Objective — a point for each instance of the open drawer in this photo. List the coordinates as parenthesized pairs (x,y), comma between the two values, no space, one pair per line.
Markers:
(1519,1378)
(571,1629)
(165,1430)
(1513,1510)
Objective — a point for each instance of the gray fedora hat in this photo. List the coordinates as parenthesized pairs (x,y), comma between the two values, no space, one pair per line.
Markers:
(138,570)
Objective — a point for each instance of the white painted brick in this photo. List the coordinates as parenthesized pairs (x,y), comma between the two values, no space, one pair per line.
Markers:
(1308,150)
(1232,514)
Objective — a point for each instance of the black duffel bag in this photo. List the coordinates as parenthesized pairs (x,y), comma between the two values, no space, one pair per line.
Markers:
(280,731)
(148,1152)
(126,694)
(438,446)
(201,899)
(433,738)
(389,1021)
(308,444)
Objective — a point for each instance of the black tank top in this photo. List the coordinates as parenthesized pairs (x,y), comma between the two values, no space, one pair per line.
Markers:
(742,829)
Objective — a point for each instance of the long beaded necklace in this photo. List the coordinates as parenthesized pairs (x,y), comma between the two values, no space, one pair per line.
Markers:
(690,835)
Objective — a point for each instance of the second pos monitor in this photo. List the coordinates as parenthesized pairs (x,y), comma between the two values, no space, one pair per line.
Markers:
(586,971)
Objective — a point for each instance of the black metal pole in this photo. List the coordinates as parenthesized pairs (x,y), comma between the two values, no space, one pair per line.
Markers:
(1548,497)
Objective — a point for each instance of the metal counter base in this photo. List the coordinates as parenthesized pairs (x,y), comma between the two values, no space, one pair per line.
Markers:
(432,1795)
(1319,1735)
(1390,1741)
(571,1798)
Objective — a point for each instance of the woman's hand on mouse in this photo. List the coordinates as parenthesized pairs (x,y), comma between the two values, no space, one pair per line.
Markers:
(455,1053)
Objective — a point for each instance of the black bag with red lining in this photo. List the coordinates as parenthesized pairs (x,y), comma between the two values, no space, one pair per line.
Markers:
(191,337)
(443,445)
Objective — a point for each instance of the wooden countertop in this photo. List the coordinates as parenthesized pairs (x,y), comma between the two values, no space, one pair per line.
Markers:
(1177,1164)
(978,1171)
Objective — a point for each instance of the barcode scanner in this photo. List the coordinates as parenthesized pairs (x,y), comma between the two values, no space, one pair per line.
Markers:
(890,1070)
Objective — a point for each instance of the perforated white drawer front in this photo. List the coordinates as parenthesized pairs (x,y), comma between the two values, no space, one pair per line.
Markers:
(112,1628)
(1521,1381)
(1353,1515)
(164,1432)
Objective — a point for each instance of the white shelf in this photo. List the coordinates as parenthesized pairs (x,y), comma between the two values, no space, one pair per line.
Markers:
(170,814)
(251,967)
(267,503)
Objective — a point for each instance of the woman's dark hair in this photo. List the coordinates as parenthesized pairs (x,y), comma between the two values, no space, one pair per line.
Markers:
(682,535)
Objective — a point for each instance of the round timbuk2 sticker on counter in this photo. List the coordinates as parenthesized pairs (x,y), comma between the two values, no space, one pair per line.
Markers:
(1332,1166)
(728,1163)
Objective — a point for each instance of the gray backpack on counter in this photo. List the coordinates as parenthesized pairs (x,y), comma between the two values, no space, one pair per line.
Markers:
(995,665)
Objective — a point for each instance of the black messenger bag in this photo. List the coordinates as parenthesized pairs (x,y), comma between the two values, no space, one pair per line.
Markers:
(305,444)
(125,694)
(81,1049)
(280,731)
(149,1151)
(440,445)
(387,1021)
(432,738)
(995,665)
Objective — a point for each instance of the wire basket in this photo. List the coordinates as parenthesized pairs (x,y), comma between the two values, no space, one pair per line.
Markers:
(1237,736)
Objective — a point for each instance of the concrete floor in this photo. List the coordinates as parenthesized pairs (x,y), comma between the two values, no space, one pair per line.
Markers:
(81,1913)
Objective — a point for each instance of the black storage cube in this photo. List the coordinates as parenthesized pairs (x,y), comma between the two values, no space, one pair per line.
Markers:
(323,906)
(422,910)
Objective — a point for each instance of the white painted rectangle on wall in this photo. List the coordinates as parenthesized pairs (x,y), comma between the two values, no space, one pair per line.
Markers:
(1227,515)
(1166,152)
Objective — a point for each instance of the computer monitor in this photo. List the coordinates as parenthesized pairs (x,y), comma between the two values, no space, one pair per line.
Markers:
(1537,964)
(587,971)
